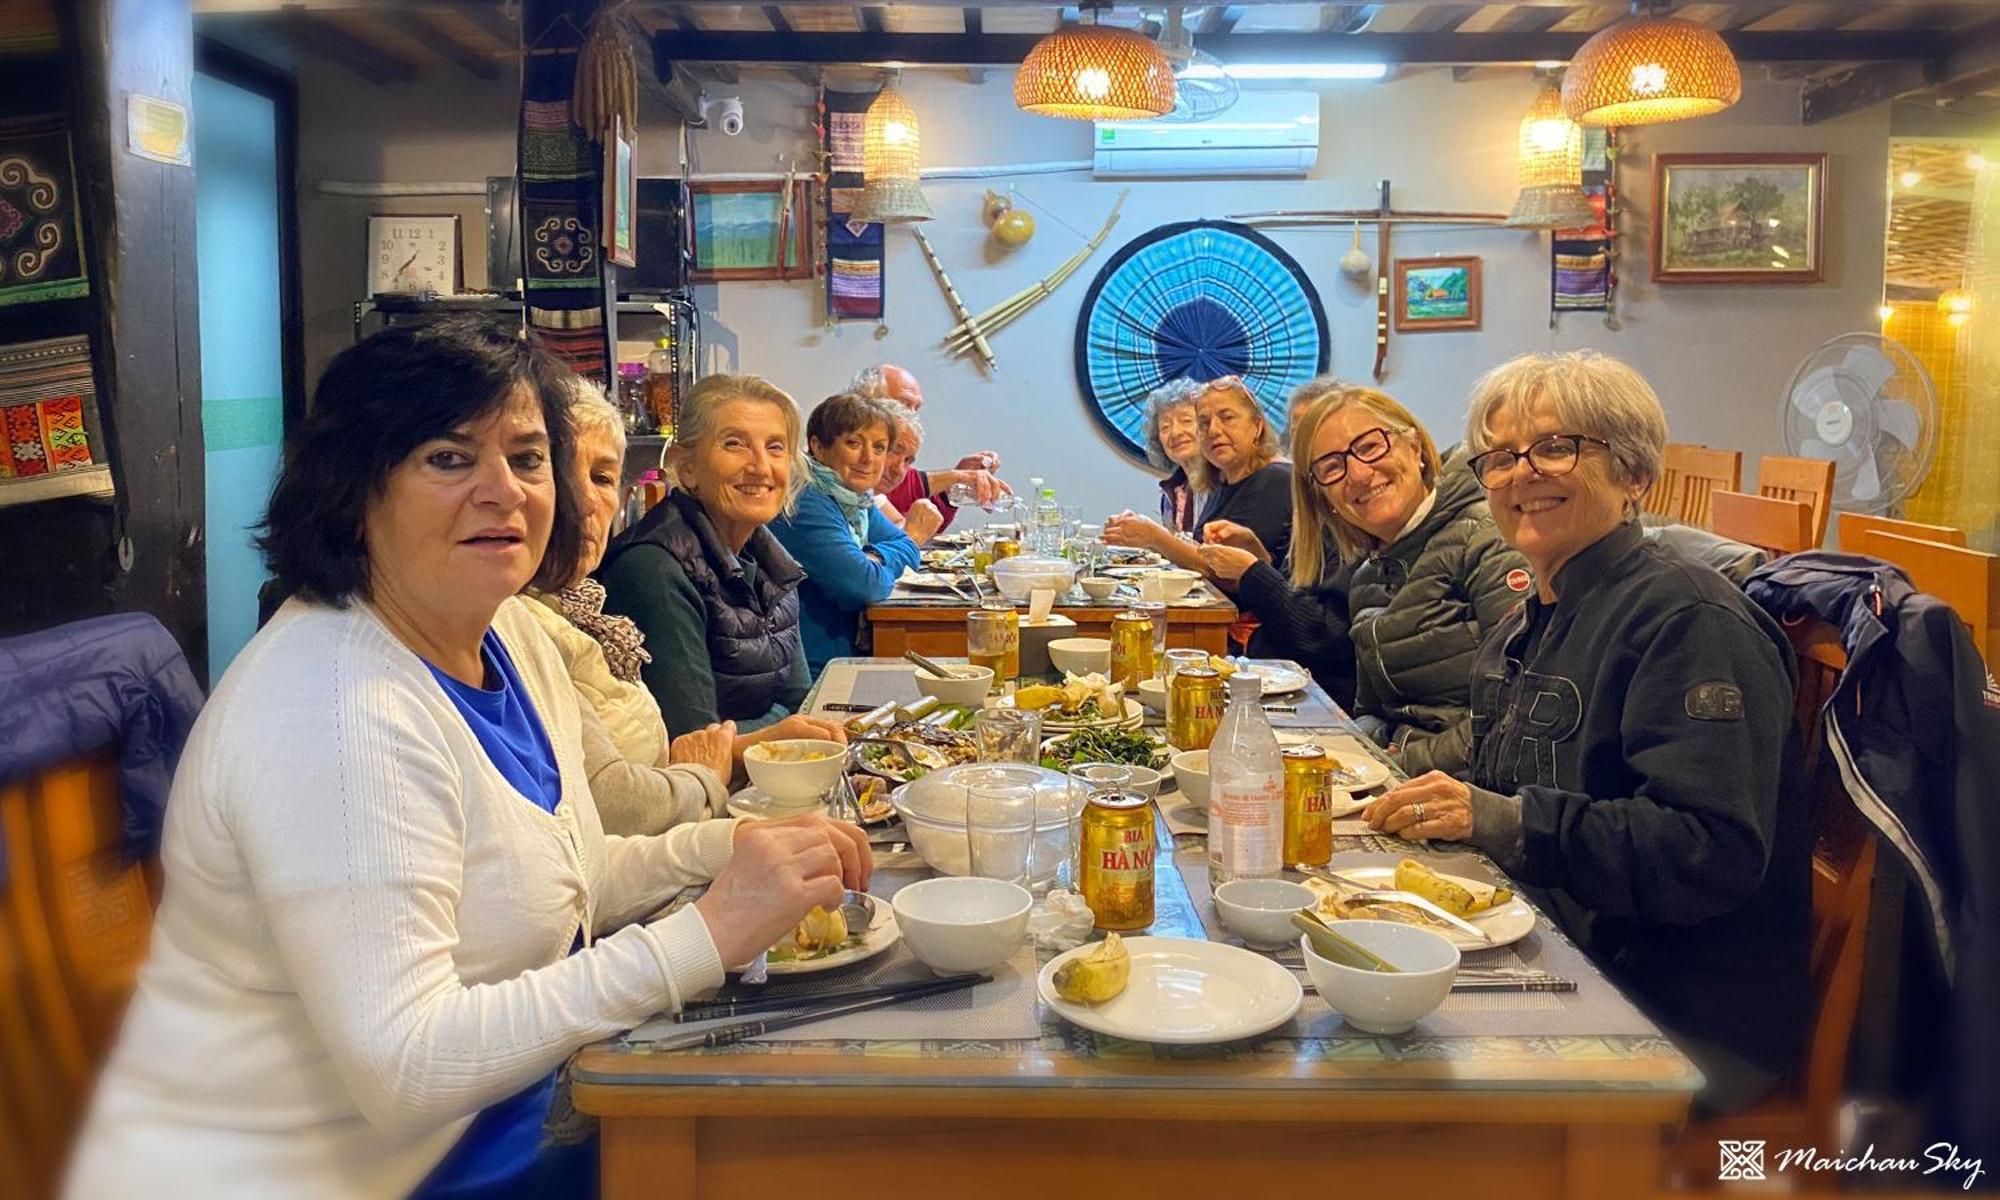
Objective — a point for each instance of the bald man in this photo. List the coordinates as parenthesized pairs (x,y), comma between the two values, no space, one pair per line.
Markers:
(976,471)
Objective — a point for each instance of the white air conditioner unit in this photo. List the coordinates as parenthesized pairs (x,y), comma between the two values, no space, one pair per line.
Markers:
(1262,134)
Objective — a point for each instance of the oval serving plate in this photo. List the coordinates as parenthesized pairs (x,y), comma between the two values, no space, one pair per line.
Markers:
(1184,992)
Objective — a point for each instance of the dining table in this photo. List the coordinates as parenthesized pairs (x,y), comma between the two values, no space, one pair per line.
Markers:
(932,622)
(991,1093)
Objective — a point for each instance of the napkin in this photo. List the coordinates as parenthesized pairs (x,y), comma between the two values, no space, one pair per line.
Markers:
(1040,601)
(1062,921)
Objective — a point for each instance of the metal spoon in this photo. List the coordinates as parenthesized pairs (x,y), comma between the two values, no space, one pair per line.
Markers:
(858,910)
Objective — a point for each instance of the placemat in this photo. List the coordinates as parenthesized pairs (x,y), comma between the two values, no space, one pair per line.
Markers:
(857,682)
(1596,1008)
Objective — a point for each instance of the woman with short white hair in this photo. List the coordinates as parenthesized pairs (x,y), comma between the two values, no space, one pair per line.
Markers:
(1631,747)
(1173,444)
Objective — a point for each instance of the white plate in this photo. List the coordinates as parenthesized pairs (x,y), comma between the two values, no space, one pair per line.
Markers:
(1184,992)
(932,581)
(1370,771)
(883,934)
(1279,680)
(1506,924)
(1135,716)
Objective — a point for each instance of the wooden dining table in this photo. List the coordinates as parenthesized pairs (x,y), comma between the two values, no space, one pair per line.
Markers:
(1480,1105)
(934,624)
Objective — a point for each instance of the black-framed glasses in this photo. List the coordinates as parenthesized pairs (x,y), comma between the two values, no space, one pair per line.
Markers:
(1330,468)
(1553,455)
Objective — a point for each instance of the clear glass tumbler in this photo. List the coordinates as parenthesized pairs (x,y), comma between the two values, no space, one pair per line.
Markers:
(1000,830)
(1008,735)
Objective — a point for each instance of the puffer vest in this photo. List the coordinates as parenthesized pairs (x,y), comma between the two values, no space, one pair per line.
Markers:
(752,629)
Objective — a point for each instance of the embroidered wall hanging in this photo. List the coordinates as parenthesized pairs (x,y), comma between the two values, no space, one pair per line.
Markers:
(855,251)
(47,405)
(41,234)
(562,268)
(1583,274)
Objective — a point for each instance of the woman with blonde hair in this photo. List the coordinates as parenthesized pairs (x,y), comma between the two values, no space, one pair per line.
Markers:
(1249,485)
(1429,574)
(714,593)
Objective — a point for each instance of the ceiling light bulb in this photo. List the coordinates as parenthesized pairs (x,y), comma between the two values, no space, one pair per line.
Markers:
(1886,311)
(1910,179)
(1093,83)
(1975,161)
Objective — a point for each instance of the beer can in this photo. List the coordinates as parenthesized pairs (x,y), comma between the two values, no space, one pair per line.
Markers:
(1115,860)
(1308,805)
(1131,649)
(1195,700)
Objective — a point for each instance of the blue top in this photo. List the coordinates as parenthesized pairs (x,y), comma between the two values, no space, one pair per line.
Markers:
(842,579)
(504,721)
(504,1139)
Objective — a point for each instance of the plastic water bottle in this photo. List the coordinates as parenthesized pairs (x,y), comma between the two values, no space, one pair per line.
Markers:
(1246,773)
(1049,523)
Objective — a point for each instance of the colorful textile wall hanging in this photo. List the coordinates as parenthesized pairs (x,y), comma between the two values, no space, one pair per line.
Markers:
(47,403)
(563,267)
(1200,299)
(41,235)
(854,250)
(1582,271)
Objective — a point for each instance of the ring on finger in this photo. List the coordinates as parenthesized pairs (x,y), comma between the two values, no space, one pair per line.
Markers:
(1417,811)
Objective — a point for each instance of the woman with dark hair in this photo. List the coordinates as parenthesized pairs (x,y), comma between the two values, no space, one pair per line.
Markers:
(851,553)
(391,912)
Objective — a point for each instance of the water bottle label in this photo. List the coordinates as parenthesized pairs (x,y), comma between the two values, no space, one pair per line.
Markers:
(1245,827)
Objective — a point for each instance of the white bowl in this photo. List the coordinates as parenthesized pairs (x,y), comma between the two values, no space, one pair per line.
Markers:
(967,686)
(1385,1001)
(1081,655)
(933,811)
(1098,587)
(1175,583)
(1025,573)
(794,782)
(1260,910)
(955,925)
(1191,776)
(1153,694)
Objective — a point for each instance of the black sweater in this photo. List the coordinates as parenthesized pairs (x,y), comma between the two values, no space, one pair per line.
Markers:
(1262,502)
(1307,626)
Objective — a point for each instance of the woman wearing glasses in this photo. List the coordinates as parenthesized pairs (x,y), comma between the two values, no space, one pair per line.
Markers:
(1429,574)
(1631,753)
(1247,485)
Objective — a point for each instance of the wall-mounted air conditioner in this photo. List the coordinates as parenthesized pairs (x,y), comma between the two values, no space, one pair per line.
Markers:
(1262,134)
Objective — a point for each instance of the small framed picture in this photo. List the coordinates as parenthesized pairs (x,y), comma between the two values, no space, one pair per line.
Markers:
(413,253)
(621,196)
(1436,294)
(1738,218)
(750,230)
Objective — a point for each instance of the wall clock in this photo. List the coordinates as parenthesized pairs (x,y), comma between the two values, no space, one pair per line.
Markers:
(1200,299)
(413,253)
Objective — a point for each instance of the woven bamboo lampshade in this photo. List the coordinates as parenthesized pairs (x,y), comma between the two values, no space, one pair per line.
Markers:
(889,149)
(1551,163)
(1095,73)
(1648,70)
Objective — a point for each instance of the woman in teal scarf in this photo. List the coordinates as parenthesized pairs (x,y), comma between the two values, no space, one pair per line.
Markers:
(851,553)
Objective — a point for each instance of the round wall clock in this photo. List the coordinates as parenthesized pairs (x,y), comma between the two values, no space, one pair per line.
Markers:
(1200,299)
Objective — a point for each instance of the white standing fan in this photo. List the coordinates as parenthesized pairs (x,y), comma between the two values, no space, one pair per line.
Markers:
(1864,402)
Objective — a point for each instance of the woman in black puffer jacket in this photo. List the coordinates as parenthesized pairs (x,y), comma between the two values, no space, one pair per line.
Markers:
(1429,575)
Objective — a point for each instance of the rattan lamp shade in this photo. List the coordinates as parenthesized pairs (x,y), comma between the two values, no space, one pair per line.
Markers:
(1551,164)
(889,150)
(1648,70)
(1095,73)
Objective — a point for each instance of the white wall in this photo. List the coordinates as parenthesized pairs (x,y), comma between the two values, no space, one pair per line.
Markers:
(1719,356)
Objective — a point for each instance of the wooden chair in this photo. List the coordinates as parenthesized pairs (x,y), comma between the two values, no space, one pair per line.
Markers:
(1854,526)
(1967,580)
(1691,474)
(1780,526)
(1805,1111)
(1806,479)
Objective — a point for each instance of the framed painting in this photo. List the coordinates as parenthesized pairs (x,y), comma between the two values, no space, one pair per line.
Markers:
(750,230)
(413,252)
(1437,294)
(1739,218)
(621,196)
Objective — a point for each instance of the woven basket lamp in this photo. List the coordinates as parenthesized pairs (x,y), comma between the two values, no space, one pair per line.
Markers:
(1095,73)
(890,143)
(1647,70)
(1551,159)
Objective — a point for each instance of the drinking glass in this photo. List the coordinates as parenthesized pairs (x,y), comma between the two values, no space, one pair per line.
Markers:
(1008,735)
(1086,780)
(1156,609)
(999,830)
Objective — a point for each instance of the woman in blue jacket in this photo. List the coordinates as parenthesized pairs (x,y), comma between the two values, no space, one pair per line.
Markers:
(851,553)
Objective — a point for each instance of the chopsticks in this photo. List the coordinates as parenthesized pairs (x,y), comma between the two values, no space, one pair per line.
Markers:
(743,1031)
(1549,983)
(708,1010)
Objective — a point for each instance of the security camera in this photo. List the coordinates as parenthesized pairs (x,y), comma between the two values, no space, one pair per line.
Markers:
(728,115)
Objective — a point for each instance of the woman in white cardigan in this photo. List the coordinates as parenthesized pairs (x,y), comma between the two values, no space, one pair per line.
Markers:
(390,911)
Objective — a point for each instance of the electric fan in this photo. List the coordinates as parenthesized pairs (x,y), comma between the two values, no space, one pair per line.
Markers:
(1865,403)
(1202,89)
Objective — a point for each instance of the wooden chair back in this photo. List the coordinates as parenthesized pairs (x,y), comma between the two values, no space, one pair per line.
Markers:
(1968,580)
(1854,526)
(1806,479)
(1780,526)
(1691,475)
(75,919)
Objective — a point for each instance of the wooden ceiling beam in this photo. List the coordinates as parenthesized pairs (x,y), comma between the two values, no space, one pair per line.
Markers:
(1221,18)
(975,23)
(1442,18)
(495,24)
(320,36)
(438,41)
(1958,74)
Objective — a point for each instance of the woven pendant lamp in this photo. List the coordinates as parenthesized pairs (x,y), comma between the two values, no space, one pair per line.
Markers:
(890,143)
(1551,162)
(1095,73)
(1647,70)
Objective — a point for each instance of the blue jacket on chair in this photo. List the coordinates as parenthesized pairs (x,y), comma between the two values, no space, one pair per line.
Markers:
(842,577)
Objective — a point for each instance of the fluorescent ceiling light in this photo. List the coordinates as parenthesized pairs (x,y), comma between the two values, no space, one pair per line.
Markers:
(1287,71)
